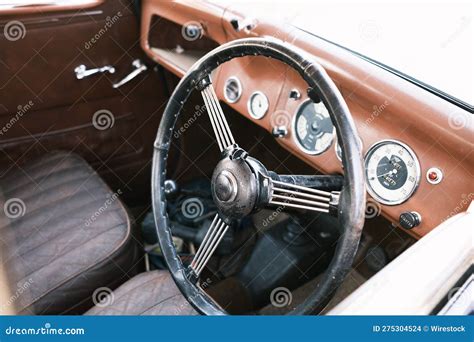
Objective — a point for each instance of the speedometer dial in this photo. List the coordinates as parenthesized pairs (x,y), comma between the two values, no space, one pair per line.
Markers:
(312,127)
(392,172)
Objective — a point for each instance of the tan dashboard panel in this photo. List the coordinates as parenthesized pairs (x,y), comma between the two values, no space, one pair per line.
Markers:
(385,121)
(256,74)
(181,13)
(383,105)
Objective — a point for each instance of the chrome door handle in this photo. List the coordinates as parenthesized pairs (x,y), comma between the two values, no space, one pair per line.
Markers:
(139,67)
(82,71)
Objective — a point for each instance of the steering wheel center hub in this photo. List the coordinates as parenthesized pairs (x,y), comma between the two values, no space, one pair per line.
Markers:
(226,186)
(234,188)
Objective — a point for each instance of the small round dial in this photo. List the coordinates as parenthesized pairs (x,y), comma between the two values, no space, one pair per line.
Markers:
(312,127)
(257,105)
(232,89)
(392,172)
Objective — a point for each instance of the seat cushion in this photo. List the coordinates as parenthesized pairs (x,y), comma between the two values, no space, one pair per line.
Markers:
(63,234)
(149,293)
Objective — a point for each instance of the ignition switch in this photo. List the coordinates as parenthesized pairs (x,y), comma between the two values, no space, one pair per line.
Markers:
(410,219)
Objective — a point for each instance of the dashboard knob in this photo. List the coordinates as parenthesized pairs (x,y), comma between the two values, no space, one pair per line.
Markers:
(279,131)
(246,24)
(295,94)
(409,219)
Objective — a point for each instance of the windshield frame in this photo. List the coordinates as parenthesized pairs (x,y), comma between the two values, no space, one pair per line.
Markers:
(435,91)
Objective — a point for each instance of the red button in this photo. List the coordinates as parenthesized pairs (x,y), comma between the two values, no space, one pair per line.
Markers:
(433,175)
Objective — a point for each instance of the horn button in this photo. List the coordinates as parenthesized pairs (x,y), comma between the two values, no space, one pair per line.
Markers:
(234,188)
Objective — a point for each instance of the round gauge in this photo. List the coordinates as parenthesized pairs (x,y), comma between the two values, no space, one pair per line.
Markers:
(257,105)
(232,89)
(312,127)
(392,171)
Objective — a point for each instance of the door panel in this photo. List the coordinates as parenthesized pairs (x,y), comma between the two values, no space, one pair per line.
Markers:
(43,106)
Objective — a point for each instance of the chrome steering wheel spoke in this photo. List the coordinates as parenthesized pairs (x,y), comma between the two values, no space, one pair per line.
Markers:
(221,128)
(211,241)
(285,193)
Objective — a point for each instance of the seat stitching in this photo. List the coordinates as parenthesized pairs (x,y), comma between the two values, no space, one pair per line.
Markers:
(88,297)
(149,308)
(42,178)
(38,163)
(125,239)
(67,196)
(75,274)
(65,214)
(161,302)
(119,245)
(141,284)
(55,238)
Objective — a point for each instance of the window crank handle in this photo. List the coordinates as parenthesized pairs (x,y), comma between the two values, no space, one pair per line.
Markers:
(139,67)
(82,71)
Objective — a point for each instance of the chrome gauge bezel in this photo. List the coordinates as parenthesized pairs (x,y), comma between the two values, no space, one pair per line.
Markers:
(239,89)
(412,154)
(249,105)
(295,132)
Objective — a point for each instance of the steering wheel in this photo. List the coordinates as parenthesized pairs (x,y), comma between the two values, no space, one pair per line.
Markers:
(241,185)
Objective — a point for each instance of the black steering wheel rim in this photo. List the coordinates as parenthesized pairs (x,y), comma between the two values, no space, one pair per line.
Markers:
(352,197)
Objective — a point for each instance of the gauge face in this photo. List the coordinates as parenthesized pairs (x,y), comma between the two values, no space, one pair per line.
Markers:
(312,127)
(392,172)
(257,105)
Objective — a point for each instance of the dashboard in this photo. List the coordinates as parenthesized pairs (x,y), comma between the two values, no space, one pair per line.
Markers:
(418,163)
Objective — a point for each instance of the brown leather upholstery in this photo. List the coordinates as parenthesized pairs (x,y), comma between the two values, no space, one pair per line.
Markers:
(149,293)
(74,235)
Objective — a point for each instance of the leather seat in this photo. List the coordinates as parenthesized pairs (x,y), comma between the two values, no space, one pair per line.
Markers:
(63,234)
(149,293)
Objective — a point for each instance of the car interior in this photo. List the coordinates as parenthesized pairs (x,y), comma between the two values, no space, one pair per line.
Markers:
(186,157)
